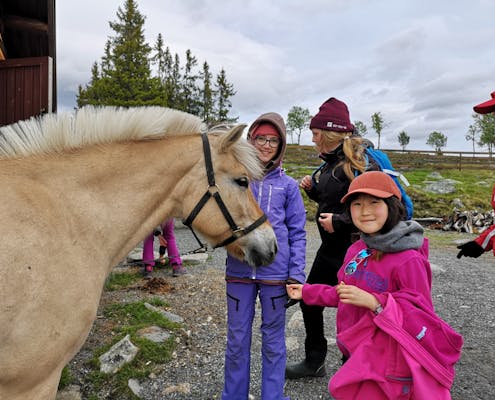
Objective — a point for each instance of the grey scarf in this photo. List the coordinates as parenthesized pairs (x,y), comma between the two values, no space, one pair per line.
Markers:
(403,236)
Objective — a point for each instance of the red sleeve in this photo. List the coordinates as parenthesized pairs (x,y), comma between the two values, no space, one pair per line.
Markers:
(487,239)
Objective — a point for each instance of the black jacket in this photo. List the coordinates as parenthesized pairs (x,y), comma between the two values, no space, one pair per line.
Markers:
(330,184)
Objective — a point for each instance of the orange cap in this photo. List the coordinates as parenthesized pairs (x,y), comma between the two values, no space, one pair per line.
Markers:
(375,183)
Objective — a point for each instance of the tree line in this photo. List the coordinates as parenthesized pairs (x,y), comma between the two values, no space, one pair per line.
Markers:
(133,73)
(480,132)
(125,77)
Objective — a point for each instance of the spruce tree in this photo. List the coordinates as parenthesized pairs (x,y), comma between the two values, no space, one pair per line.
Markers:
(91,95)
(159,57)
(163,61)
(125,78)
(189,89)
(224,91)
(206,95)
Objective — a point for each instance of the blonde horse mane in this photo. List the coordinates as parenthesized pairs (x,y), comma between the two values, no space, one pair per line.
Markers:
(91,125)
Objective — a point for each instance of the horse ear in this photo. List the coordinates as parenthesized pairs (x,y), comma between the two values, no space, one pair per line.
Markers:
(232,136)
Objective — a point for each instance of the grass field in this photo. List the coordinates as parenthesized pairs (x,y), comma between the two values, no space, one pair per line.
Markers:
(472,186)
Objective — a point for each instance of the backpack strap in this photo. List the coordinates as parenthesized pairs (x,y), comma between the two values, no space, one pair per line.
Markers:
(313,175)
(397,175)
(365,156)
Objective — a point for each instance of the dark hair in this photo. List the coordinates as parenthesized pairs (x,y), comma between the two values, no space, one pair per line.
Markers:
(396,211)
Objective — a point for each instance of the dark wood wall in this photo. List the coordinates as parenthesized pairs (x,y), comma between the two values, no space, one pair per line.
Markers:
(25,88)
(28,71)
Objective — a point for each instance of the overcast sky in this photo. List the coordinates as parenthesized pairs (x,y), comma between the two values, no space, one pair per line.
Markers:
(422,64)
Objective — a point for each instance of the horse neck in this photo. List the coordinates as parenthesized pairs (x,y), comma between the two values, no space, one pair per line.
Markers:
(120,192)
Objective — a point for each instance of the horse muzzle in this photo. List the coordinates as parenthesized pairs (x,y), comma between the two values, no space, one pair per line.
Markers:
(259,247)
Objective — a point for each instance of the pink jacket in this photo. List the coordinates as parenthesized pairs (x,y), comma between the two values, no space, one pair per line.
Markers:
(406,269)
(407,351)
(389,362)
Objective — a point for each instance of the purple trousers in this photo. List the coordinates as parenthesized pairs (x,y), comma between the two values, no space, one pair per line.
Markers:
(241,303)
(172,250)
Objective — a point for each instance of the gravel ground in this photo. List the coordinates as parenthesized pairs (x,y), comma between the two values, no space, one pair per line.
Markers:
(463,293)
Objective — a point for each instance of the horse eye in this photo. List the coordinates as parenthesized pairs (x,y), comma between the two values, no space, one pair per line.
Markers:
(243,182)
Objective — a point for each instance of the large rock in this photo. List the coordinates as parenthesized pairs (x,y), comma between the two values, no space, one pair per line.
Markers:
(154,333)
(441,187)
(170,316)
(121,353)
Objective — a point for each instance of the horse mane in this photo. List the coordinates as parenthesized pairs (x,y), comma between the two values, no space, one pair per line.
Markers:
(90,125)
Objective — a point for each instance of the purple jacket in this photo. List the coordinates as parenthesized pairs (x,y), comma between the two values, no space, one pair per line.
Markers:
(279,197)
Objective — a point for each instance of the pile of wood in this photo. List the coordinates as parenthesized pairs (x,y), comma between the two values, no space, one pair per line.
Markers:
(469,221)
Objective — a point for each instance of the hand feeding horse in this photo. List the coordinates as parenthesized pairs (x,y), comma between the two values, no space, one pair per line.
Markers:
(78,193)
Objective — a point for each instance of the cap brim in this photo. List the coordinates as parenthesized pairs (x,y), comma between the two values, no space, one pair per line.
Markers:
(486,107)
(374,192)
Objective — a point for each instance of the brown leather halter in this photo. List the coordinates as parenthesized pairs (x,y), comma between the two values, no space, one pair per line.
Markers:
(214,191)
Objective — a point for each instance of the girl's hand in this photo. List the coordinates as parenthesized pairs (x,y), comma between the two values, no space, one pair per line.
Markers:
(294,290)
(163,241)
(325,220)
(350,294)
(306,183)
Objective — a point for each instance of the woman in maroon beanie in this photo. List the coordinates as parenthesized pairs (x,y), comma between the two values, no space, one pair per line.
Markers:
(342,153)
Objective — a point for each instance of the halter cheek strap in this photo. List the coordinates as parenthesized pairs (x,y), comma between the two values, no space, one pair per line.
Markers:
(214,191)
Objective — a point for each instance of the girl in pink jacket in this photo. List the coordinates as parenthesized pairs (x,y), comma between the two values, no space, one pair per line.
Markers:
(389,260)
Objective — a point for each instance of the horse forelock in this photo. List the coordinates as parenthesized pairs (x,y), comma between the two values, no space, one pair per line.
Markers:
(243,152)
(246,155)
(92,125)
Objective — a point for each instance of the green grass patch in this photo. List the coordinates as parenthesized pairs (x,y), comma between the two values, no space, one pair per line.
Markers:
(120,280)
(157,302)
(65,379)
(472,187)
(134,316)
(447,239)
(130,318)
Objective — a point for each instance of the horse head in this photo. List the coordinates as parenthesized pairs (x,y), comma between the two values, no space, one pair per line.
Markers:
(227,213)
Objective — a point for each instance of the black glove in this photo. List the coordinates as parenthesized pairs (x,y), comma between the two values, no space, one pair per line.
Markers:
(470,249)
(290,303)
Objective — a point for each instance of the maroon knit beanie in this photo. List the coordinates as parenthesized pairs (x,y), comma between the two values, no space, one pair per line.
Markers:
(333,116)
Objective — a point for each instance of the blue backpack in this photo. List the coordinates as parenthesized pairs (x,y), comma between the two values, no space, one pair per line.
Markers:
(385,165)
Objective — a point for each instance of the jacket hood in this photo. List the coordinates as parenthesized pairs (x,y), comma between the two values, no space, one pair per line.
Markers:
(277,121)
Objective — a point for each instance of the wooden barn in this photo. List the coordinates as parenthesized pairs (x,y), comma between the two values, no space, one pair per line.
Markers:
(27,59)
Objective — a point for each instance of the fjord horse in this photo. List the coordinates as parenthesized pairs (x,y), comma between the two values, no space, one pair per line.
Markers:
(78,192)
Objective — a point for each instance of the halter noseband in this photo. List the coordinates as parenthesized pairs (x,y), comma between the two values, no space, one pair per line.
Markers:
(214,191)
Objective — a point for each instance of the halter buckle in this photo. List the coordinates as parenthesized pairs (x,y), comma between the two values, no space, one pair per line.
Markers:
(237,233)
